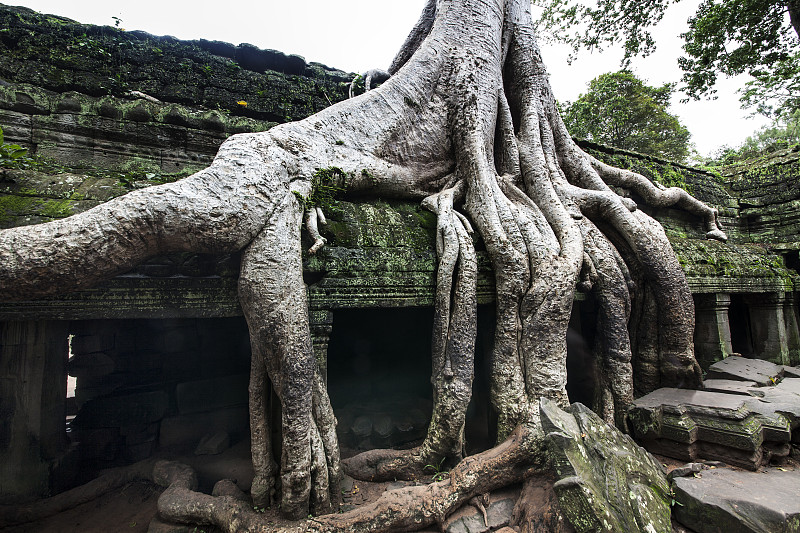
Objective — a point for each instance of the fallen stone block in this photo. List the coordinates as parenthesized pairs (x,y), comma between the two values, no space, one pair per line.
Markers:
(690,469)
(185,431)
(734,501)
(469,519)
(607,482)
(729,386)
(763,373)
(697,451)
(213,444)
(741,430)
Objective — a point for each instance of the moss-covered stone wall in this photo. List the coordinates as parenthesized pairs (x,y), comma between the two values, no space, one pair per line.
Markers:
(61,55)
(768,191)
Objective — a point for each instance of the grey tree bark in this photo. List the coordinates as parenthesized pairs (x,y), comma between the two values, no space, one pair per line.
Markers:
(466,122)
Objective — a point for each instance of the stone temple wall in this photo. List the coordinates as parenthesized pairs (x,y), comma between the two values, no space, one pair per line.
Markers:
(161,353)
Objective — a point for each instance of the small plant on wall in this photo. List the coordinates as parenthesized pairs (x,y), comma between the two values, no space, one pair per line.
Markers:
(10,152)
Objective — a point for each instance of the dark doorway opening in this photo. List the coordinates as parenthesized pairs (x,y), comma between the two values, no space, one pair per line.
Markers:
(739,319)
(379,370)
(581,364)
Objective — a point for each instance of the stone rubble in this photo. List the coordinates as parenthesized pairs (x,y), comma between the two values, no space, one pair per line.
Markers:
(744,426)
(748,414)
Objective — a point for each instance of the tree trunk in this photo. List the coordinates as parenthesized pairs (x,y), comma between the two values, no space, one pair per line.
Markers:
(468,122)
(793,6)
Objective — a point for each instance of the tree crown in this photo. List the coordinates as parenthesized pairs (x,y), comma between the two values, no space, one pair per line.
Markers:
(760,38)
(621,110)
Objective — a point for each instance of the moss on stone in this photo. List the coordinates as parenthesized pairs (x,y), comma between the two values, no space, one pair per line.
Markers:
(106,60)
(702,258)
(13,206)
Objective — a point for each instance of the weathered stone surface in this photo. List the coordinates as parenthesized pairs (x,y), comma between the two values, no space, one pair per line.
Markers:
(690,425)
(743,430)
(729,386)
(789,385)
(159,526)
(32,389)
(763,373)
(690,469)
(366,425)
(791,371)
(104,60)
(468,519)
(124,410)
(213,443)
(739,502)
(712,332)
(607,482)
(212,394)
(186,430)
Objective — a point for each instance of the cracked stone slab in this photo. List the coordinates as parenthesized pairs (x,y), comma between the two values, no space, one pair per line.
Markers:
(607,483)
(791,371)
(763,373)
(729,386)
(789,385)
(735,501)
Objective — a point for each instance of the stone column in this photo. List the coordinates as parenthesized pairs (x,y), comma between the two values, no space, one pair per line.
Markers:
(712,330)
(33,390)
(790,314)
(768,326)
(321,323)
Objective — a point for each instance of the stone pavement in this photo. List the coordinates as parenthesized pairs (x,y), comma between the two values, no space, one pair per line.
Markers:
(748,414)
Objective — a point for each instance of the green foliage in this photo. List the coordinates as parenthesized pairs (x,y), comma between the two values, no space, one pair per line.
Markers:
(10,153)
(358,85)
(752,37)
(729,37)
(327,184)
(784,132)
(657,171)
(438,471)
(597,27)
(620,110)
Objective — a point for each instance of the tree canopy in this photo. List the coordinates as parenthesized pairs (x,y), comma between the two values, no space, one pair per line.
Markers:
(621,110)
(760,38)
(782,133)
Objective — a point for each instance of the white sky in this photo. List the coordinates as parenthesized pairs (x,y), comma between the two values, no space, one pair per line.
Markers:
(355,35)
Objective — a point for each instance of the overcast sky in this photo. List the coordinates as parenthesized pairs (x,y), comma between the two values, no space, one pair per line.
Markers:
(354,35)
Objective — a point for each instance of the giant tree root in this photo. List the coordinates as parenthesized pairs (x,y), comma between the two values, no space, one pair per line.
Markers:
(403,509)
(11,515)
(467,120)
